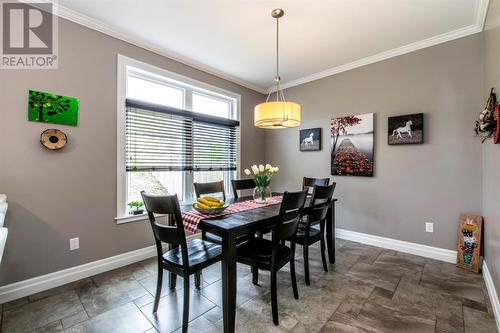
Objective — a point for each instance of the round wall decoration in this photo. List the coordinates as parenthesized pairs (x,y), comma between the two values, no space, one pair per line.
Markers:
(53,139)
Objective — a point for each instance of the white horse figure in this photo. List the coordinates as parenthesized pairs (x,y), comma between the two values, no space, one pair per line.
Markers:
(308,141)
(406,129)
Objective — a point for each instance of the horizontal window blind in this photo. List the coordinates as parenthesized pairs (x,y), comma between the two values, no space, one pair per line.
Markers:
(214,147)
(160,138)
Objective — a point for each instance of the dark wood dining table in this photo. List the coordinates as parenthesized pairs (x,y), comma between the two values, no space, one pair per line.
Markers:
(229,227)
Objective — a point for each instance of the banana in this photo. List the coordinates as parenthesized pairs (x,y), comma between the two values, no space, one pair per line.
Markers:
(200,205)
(213,199)
(208,203)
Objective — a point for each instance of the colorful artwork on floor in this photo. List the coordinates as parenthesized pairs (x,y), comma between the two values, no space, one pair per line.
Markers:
(469,242)
(51,108)
(352,145)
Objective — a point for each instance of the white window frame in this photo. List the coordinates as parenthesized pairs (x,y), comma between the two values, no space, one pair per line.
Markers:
(163,76)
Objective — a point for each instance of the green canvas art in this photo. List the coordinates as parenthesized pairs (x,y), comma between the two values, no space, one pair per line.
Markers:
(51,108)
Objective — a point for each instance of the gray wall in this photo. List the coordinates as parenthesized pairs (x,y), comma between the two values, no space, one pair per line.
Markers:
(432,182)
(54,196)
(491,152)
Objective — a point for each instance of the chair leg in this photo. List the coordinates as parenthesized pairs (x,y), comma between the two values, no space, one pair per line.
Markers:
(172,280)
(255,275)
(292,272)
(274,298)
(159,283)
(323,255)
(185,308)
(305,250)
(197,280)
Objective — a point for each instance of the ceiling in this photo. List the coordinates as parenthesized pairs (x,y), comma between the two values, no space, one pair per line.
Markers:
(235,39)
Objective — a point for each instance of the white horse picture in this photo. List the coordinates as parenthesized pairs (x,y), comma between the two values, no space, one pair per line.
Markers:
(309,141)
(406,129)
(411,133)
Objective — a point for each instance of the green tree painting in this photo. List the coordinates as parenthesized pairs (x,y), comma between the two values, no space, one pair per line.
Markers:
(51,108)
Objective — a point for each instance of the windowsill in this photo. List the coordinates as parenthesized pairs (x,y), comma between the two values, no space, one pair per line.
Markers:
(134,218)
(131,218)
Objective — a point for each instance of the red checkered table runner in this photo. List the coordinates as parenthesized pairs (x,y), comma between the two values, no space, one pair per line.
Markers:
(192,218)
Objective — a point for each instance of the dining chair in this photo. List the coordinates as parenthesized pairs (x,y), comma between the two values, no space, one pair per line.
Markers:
(185,258)
(216,188)
(242,184)
(272,255)
(309,183)
(247,184)
(311,228)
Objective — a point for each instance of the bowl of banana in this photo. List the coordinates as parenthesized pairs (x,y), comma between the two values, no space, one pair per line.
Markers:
(209,205)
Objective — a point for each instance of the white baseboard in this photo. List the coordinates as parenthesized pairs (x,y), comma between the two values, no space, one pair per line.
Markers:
(44,282)
(397,245)
(40,283)
(424,251)
(492,293)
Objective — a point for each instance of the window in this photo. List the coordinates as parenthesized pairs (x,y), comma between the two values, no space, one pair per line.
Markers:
(210,105)
(172,131)
(154,92)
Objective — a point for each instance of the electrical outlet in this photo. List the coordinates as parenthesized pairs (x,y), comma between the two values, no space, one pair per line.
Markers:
(74,244)
(429,227)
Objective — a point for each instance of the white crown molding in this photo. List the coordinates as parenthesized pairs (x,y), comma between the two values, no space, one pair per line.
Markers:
(398,245)
(480,12)
(492,293)
(443,38)
(479,19)
(91,23)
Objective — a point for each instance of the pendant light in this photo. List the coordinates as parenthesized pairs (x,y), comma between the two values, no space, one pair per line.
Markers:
(278,113)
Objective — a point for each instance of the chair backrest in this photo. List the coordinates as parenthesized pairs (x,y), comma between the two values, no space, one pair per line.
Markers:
(309,183)
(242,184)
(319,204)
(289,217)
(173,232)
(209,188)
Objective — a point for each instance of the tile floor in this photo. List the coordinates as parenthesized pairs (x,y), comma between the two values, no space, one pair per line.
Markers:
(368,289)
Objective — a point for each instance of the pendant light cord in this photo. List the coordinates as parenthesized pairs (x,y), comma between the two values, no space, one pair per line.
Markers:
(279,92)
(277,78)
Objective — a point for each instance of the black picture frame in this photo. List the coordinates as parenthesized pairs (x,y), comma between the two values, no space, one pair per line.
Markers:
(305,138)
(405,130)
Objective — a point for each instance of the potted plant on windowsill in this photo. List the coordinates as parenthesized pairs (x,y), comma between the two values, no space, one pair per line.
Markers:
(262,176)
(137,205)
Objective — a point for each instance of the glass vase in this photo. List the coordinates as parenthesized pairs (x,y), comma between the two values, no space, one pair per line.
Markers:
(261,194)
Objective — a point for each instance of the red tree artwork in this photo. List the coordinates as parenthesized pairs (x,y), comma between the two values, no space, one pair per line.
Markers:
(339,126)
(352,145)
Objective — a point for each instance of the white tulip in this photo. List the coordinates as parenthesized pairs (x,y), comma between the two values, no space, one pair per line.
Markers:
(261,168)
(247,172)
(255,169)
(276,169)
(268,167)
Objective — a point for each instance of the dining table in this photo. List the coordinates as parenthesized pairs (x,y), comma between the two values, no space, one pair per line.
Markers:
(230,227)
